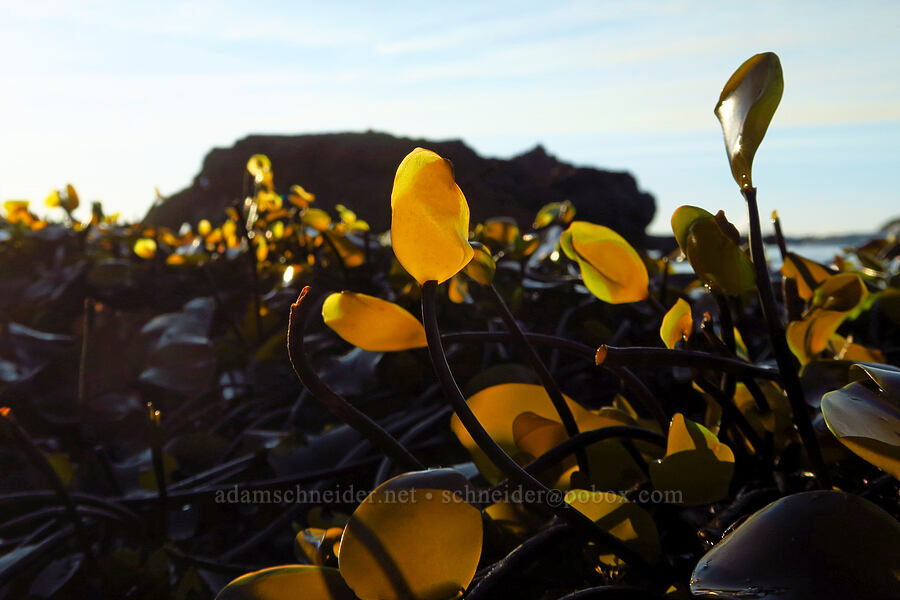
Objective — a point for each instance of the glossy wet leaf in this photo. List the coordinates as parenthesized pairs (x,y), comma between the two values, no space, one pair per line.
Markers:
(413,537)
(560,213)
(886,377)
(821,544)
(611,269)
(482,266)
(429,218)
(288,582)
(745,108)
(712,251)
(677,324)
(497,407)
(696,464)
(371,323)
(808,274)
(625,520)
(865,416)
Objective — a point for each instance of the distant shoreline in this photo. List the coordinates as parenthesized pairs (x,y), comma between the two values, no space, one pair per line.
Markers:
(667,243)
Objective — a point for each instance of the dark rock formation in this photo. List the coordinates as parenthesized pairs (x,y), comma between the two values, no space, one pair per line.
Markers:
(357,169)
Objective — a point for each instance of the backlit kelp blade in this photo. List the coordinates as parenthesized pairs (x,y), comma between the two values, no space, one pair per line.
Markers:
(710,244)
(745,108)
(429,218)
(413,538)
(611,269)
(371,323)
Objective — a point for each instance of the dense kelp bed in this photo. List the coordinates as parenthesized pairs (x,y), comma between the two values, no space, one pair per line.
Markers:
(281,388)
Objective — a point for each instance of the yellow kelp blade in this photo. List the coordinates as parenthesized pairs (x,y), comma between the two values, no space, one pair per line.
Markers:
(299,197)
(745,108)
(53,199)
(145,248)
(611,269)
(806,273)
(846,349)
(844,291)
(429,218)
(625,520)
(371,323)
(677,324)
(414,537)
(288,582)
(497,408)
(809,338)
(316,218)
(258,165)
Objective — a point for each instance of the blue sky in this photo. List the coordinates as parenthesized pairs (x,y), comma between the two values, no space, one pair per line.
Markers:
(119,97)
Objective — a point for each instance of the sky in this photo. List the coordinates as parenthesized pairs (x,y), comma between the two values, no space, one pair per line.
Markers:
(118,97)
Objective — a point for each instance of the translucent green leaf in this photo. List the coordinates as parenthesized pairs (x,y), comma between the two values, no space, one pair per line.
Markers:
(707,242)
